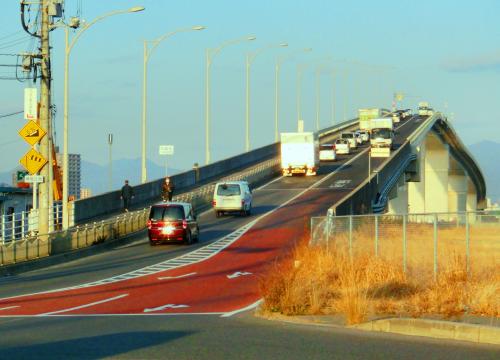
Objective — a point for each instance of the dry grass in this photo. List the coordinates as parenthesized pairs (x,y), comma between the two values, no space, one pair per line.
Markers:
(317,280)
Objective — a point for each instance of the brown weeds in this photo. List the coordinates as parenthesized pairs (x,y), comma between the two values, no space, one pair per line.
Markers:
(316,280)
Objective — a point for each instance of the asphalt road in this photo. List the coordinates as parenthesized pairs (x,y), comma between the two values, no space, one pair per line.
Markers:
(145,316)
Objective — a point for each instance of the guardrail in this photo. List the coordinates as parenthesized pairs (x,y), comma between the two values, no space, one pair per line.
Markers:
(19,249)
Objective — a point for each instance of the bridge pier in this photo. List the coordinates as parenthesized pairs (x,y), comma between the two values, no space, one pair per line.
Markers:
(437,183)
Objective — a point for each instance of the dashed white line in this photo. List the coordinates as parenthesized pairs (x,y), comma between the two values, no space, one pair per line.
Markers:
(176,277)
(246,308)
(84,306)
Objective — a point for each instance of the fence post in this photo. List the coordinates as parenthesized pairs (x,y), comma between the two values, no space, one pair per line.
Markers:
(435,247)
(376,235)
(23,221)
(350,236)
(467,242)
(3,229)
(404,243)
(329,220)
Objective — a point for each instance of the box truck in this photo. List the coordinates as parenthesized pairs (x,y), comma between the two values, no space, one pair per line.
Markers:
(299,153)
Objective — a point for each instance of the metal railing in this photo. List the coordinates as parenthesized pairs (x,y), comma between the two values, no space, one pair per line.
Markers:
(423,244)
(34,246)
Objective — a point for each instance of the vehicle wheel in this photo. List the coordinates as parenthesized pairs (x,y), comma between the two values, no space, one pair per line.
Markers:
(218,214)
(152,243)
(197,238)
(249,211)
(189,238)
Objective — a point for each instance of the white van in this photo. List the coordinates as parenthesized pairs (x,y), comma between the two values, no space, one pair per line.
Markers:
(232,196)
(349,136)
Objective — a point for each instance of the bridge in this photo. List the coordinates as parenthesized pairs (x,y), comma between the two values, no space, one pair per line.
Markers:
(430,170)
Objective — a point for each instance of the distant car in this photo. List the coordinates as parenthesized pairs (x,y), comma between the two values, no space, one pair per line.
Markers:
(172,221)
(359,140)
(327,152)
(397,116)
(365,136)
(342,146)
(349,136)
(232,197)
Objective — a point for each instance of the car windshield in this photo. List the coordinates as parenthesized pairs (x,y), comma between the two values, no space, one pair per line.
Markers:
(339,141)
(166,213)
(347,136)
(228,189)
(381,133)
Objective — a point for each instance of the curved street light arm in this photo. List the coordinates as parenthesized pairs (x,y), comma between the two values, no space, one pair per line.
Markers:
(97,19)
(253,55)
(164,37)
(213,52)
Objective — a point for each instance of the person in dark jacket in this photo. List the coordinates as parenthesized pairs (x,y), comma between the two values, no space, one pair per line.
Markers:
(127,195)
(167,189)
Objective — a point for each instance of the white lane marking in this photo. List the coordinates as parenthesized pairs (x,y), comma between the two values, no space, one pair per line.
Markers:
(85,305)
(135,314)
(340,184)
(217,246)
(238,274)
(168,306)
(176,277)
(9,307)
(246,308)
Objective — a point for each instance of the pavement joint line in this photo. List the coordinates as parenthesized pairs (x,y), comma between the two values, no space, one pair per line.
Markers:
(246,308)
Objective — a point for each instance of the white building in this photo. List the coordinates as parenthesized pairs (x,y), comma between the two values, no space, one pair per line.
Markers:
(75,173)
(85,193)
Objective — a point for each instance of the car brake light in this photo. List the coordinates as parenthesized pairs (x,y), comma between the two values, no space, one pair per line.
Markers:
(149,224)
(242,202)
(184,224)
(214,203)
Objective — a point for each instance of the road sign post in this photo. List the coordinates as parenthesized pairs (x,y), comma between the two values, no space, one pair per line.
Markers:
(166,150)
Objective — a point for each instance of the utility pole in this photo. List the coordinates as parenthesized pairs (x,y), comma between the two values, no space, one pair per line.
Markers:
(45,145)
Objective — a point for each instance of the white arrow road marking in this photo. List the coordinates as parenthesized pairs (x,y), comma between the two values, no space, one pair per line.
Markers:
(9,307)
(238,274)
(176,277)
(168,306)
(84,306)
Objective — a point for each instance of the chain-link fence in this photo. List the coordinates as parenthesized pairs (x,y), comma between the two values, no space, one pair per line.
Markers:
(423,244)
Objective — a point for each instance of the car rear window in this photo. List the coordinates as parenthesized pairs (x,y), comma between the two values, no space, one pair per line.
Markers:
(166,213)
(347,136)
(326,147)
(228,189)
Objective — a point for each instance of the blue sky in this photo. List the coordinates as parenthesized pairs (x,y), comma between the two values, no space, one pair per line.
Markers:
(445,52)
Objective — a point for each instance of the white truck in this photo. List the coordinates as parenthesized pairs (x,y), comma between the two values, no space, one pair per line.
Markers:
(365,115)
(424,109)
(382,137)
(299,153)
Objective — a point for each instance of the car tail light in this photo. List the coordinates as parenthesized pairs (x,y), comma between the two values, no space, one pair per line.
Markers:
(149,224)
(242,202)
(214,203)
(184,224)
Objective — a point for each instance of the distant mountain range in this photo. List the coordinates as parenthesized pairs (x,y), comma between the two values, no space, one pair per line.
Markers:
(487,154)
(95,176)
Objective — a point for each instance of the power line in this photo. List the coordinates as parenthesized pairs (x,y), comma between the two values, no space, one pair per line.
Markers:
(11,114)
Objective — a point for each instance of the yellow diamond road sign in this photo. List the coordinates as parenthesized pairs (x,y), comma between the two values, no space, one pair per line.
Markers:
(32,133)
(33,161)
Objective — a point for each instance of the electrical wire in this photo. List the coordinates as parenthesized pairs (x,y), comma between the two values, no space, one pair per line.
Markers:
(11,114)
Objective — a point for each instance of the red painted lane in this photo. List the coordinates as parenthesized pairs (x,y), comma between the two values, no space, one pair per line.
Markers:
(210,290)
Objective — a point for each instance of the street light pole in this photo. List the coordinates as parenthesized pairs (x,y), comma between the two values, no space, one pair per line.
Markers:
(318,94)
(279,62)
(250,57)
(67,50)
(334,107)
(110,180)
(146,56)
(210,54)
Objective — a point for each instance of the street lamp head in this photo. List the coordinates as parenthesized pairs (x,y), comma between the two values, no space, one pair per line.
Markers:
(136,9)
(284,44)
(198,27)
(250,38)
(308,49)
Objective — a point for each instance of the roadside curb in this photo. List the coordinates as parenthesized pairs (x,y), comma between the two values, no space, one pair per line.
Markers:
(435,328)
(438,329)
(51,260)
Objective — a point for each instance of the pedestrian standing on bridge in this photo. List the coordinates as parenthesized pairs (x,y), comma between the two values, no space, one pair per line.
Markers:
(167,189)
(127,195)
